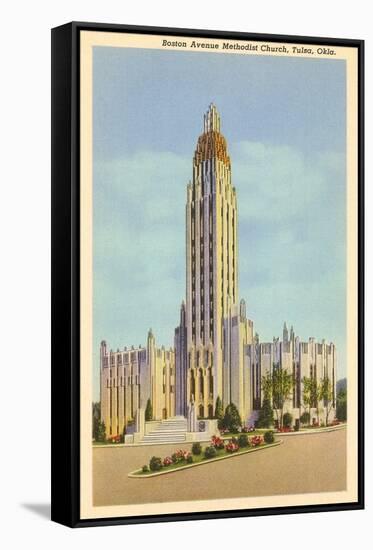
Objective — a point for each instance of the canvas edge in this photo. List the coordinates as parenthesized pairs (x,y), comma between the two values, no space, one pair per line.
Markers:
(65,486)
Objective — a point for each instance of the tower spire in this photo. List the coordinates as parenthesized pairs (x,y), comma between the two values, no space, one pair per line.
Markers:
(285,332)
(211,120)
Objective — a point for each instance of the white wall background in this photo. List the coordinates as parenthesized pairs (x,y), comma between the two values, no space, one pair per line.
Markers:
(25,270)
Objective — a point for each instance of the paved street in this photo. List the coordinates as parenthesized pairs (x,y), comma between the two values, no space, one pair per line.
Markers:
(302,464)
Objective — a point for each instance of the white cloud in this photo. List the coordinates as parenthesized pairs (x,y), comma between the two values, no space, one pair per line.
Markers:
(278,183)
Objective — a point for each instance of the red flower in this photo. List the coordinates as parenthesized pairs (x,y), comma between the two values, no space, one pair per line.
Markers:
(217,442)
(231,447)
(256,440)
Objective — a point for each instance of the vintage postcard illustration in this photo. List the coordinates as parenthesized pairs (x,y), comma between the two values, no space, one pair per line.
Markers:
(219,366)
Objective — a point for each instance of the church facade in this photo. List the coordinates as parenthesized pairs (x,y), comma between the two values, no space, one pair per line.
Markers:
(215,353)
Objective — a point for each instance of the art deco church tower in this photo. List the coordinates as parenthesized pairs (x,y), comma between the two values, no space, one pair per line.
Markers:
(215,354)
(213,329)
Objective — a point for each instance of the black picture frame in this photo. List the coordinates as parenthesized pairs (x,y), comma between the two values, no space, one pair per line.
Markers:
(66,277)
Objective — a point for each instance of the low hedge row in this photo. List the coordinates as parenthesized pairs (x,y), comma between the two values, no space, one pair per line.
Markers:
(210,451)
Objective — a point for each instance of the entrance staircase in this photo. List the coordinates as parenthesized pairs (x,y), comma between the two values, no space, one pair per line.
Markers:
(172,430)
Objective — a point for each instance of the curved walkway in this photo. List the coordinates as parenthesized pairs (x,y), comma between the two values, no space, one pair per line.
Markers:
(301,465)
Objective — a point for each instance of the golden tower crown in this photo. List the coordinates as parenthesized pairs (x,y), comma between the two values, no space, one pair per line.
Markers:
(211,144)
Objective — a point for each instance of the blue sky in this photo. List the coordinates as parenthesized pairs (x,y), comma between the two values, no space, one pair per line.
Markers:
(284,120)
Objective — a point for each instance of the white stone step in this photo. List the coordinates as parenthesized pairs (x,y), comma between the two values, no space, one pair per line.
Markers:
(173,439)
(173,423)
(170,430)
(166,435)
(170,427)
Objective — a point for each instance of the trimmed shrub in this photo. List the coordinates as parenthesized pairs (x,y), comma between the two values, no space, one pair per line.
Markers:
(196,448)
(232,420)
(269,437)
(190,459)
(265,419)
(210,452)
(342,405)
(155,463)
(305,418)
(148,411)
(145,468)
(174,457)
(101,432)
(287,420)
(243,440)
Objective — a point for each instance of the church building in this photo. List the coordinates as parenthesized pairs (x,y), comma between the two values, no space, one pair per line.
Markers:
(215,353)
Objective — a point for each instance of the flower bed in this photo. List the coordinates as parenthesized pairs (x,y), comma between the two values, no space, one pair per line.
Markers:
(284,430)
(114,439)
(247,431)
(243,429)
(216,449)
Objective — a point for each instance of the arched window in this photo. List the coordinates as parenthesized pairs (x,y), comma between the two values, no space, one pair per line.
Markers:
(211,411)
(201,411)
(192,384)
(201,382)
(211,381)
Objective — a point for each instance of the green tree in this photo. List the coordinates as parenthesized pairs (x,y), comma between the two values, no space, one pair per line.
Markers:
(267,386)
(305,418)
(342,405)
(219,412)
(287,419)
(309,393)
(232,420)
(148,411)
(326,394)
(101,432)
(96,414)
(265,419)
(282,387)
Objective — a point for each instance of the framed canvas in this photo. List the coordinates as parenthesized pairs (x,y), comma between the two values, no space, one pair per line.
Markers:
(207,274)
